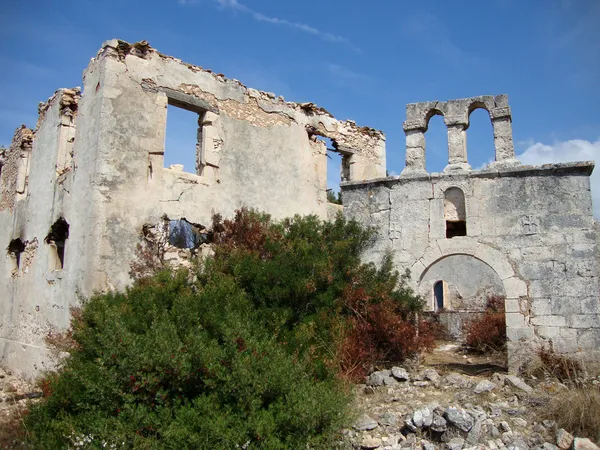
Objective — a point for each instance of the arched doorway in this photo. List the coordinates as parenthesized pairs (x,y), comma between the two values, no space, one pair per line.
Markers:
(457,287)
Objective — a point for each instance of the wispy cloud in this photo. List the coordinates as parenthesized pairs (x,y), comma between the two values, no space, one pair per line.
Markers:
(260,17)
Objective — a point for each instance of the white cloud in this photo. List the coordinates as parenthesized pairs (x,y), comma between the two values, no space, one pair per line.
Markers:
(565,151)
(260,17)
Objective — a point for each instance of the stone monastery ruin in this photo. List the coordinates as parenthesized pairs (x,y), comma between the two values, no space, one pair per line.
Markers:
(80,191)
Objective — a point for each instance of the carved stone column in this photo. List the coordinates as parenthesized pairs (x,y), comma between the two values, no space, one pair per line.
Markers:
(503,139)
(415,148)
(457,145)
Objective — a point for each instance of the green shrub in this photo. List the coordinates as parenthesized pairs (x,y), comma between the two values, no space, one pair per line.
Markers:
(243,352)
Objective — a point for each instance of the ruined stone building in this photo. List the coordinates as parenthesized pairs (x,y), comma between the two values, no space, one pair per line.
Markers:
(80,191)
(521,232)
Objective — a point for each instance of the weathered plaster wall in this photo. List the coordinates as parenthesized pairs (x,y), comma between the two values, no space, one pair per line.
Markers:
(97,159)
(256,150)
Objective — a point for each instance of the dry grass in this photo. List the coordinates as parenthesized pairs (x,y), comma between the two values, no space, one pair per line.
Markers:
(577,410)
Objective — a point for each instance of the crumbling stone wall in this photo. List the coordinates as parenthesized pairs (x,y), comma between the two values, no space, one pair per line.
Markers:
(96,161)
(532,226)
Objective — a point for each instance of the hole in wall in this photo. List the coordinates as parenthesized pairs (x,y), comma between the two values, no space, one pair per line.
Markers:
(436,144)
(480,139)
(182,139)
(184,234)
(15,248)
(56,240)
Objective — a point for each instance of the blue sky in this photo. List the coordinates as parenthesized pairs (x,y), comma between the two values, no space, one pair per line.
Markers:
(359,60)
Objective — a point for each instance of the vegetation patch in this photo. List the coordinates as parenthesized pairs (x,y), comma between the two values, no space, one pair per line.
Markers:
(250,349)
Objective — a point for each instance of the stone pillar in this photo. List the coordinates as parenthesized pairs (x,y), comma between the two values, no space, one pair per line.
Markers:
(415,149)
(457,144)
(503,139)
(208,157)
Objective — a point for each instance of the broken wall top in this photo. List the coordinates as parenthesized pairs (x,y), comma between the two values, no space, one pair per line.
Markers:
(220,94)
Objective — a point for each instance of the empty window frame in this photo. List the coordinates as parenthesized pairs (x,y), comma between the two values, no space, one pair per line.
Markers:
(455,212)
(56,240)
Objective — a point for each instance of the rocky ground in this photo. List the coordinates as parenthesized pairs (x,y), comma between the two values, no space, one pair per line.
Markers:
(15,395)
(441,405)
(437,408)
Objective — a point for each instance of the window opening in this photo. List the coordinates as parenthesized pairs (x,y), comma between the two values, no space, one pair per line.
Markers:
(338,169)
(436,144)
(455,213)
(56,239)
(183,234)
(438,296)
(480,138)
(183,139)
(15,248)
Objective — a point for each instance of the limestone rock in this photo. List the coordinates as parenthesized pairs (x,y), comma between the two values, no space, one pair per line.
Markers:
(364,423)
(388,419)
(456,380)
(439,424)
(475,433)
(520,422)
(378,378)
(370,442)
(456,443)
(584,444)
(515,381)
(459,418)
(518,444)
(484,386)
(400,374)
(431,375)
(564,439)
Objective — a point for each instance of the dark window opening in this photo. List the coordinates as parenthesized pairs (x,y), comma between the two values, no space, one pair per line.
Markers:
(438,295)
(56,239)
(183,234)
(15,248)
(183,139)
(456,228)
(455,212)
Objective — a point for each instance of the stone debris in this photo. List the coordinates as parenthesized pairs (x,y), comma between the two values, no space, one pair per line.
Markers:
(454,411)
(484,386)
(400,374)
(564,439)
(518,383)
(584,444)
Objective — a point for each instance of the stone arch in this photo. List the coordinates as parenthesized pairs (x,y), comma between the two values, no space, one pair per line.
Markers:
(429,114)
(515,289)
(474,105)
(467,282)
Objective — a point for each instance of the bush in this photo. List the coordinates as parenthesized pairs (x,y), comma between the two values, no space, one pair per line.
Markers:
(488,332)
(243,352)
(559,366)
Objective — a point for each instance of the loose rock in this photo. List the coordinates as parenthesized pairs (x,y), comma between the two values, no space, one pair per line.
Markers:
(365,423)
(564,439)
(459,418)
(400,374)
(484,386)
